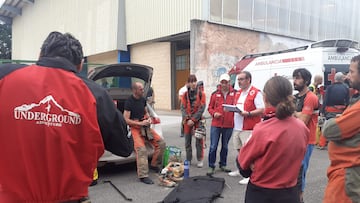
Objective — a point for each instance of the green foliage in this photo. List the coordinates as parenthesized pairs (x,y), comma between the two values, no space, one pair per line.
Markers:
(5,41)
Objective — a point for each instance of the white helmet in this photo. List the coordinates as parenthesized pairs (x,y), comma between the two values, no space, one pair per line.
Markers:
(200,133)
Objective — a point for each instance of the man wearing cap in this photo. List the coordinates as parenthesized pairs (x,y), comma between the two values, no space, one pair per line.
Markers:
(222,123)
(250,101)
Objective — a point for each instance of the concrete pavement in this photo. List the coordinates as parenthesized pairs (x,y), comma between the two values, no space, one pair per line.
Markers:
(124,177)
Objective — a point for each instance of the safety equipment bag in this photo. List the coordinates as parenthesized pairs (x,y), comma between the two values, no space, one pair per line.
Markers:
(171,154)
(197,189)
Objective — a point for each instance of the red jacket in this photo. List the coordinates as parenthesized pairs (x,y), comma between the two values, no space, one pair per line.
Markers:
(55,122)
(216,101)
(249,105)
(276,150)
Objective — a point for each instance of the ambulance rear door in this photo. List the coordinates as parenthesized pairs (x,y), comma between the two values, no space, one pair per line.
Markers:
(336,61)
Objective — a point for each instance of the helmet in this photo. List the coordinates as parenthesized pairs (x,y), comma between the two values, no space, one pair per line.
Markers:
(200,133)
(177,169)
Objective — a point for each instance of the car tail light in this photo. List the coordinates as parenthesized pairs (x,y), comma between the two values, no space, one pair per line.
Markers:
(155,120)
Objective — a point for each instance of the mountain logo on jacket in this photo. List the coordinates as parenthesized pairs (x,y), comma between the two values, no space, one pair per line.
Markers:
(47,112)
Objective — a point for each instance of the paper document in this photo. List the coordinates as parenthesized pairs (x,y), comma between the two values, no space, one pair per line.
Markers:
(231,108)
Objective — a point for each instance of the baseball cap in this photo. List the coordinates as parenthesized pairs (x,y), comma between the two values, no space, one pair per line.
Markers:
(224,76)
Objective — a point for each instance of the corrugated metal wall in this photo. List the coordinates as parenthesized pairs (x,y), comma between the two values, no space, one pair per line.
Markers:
(93,22)
(152,19)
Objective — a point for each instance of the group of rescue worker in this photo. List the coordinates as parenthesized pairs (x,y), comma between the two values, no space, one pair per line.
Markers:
(48,159)
(317,107)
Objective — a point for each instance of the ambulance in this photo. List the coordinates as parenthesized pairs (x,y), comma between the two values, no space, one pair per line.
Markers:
(323,58)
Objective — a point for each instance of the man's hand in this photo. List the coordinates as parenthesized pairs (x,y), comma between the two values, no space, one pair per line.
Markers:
(217,115)
(145,122)
(244,113)
(190,123)
(252,167)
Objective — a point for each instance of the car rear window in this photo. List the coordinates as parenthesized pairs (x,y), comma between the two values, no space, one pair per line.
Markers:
(118,82)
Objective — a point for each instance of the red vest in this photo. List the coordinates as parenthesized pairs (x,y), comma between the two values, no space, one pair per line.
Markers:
(249,105)
(193,111)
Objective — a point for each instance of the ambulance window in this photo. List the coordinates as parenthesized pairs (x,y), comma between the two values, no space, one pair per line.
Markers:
(343,43)
(327,43)
(354,45)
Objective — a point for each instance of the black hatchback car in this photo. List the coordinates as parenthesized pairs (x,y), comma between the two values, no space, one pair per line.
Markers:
(117,79)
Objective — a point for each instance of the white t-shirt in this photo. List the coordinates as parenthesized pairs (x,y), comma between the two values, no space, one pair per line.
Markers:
(239,119)
(182,91)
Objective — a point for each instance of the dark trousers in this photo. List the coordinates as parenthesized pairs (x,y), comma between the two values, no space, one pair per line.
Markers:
(199,143)
(255,194)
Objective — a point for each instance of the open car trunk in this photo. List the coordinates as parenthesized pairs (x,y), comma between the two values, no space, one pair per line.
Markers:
(117,79)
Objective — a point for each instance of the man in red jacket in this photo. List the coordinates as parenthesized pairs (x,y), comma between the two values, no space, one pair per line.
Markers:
(222,123)
(54,125)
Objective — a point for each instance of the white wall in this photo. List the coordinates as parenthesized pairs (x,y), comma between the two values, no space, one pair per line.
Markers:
(152,19)
(93,22)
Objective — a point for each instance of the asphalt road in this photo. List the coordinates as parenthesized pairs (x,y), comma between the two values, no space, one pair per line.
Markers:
(125,179)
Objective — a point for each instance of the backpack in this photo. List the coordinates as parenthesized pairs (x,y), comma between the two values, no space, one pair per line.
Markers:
(299,102)
(197,189)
